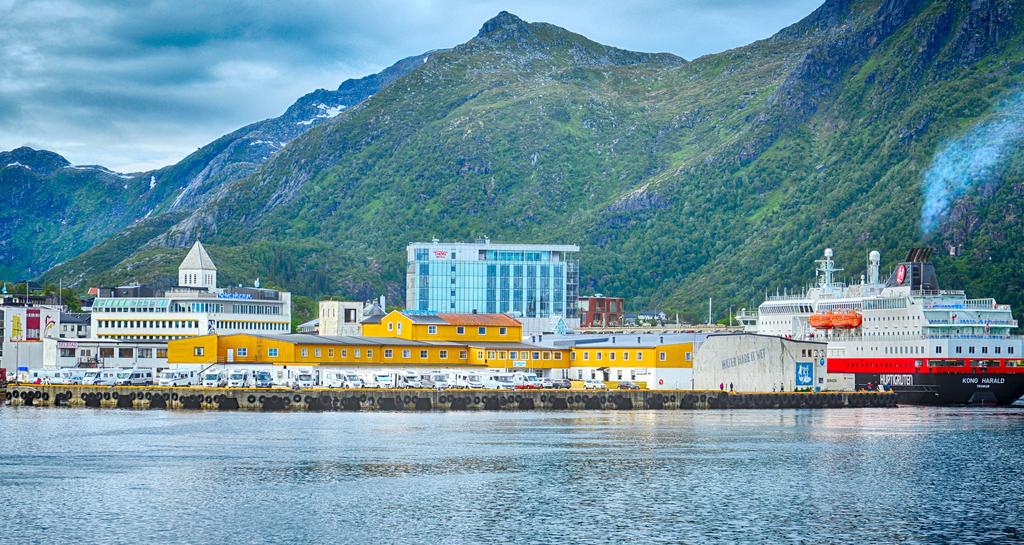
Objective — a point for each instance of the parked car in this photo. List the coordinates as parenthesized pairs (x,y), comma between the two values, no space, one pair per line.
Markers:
(134,377)
(263,379)
(547,383)
(594,384)
(563,383)
(628,385)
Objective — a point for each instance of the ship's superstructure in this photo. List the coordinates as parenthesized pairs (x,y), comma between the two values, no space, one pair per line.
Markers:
(928,344)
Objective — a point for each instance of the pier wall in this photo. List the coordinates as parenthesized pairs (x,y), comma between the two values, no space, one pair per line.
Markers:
(195,398)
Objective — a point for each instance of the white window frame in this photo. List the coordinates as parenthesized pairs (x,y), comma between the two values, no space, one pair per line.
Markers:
(272,352)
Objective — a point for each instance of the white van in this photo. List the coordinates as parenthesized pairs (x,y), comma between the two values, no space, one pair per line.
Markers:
(386,380)
(499,381)
(305,378)
(178,377)
(437,381)
(341,379)
(263,379)
(526,381)
(369,380)
(99,377)
(468,380)
(63,376)
(134,377)
(410,379)
(239,378)
(215,378)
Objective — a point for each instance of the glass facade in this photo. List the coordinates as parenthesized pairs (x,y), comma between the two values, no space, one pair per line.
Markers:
(528,283)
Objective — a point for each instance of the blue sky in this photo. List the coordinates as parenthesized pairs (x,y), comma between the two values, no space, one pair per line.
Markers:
(139,85)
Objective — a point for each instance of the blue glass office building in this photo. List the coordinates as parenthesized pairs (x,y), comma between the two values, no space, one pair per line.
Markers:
(536,283)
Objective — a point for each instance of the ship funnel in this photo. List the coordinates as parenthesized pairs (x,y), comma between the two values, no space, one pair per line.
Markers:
(874,261)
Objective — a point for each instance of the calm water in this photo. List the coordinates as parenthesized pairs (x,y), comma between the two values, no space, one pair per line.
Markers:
(875,475)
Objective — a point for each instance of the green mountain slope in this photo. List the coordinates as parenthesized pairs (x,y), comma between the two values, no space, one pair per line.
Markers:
(721,177)
(54,210)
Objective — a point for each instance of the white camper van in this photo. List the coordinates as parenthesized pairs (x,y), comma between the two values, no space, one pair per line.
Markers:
(239,378)
(215,378)
(134,377)
(340,379)
(179,377)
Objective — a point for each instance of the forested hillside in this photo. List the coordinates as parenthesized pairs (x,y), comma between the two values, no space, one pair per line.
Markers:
(722,176)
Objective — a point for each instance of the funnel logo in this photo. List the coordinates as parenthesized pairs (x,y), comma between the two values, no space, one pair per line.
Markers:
(901,273)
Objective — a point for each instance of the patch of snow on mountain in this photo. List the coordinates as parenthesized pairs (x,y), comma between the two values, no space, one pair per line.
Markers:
(152,181)
(17,164)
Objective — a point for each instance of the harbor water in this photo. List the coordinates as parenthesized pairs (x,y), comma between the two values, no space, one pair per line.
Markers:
(910,475)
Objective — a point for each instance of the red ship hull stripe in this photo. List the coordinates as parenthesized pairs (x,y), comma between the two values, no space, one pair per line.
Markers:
(909,365)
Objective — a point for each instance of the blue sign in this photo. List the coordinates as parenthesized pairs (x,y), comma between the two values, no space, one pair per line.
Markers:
(234,295)
(804,373)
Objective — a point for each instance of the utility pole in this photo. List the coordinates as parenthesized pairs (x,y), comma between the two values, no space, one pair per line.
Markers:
(709,311)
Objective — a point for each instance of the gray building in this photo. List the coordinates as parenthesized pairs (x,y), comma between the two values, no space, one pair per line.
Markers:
(759,363)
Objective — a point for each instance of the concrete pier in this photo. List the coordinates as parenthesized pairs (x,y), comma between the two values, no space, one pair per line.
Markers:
(274,399)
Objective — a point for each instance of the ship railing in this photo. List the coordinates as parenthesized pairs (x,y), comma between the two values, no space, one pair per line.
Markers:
(959,293)
(892,338)
(998,323)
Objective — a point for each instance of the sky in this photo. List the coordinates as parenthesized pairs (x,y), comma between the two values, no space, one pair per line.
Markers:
(139,85)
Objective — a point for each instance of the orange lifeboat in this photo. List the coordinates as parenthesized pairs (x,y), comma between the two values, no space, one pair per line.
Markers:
(850,319)
(821,321)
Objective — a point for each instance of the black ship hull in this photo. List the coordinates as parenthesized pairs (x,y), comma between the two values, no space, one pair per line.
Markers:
(948,388)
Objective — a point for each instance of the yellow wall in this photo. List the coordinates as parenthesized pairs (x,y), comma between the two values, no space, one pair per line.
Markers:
(540,358)
(184,350)
(676,356)
(258,349)
(396,324)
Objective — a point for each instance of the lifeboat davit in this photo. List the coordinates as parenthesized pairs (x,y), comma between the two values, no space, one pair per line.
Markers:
(850,319)
(821,321)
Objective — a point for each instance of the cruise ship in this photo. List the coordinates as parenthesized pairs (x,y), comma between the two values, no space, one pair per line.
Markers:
(928,345)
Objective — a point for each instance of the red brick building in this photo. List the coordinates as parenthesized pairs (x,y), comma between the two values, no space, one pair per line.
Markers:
(600,311)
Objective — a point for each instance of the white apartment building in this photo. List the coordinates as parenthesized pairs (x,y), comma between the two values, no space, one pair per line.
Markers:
(196,306)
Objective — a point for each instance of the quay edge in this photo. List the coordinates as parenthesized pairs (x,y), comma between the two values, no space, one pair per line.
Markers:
(275,399)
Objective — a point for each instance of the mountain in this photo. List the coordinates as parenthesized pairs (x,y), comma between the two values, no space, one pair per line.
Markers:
(681,180)
(69,209)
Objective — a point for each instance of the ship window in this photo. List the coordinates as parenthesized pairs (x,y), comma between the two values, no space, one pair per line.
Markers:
(999,350)
(970,349)
(938,349)
(959,350)
(984,350)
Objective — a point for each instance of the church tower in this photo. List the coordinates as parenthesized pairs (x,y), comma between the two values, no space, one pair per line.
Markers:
(197,269)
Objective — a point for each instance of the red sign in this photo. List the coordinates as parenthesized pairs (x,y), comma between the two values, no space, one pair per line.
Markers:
(32,324)
(440,254)
(901,273)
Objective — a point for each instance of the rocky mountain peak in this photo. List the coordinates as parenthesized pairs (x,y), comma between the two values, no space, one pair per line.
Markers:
(504,25)
(41,162)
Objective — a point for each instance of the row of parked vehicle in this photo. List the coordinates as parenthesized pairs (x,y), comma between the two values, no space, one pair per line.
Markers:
(239,377)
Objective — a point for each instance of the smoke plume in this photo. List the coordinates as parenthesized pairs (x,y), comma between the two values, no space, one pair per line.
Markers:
(971,159)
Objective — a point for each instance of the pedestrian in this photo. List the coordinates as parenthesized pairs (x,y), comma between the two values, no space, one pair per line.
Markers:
(730,387)
(721,386)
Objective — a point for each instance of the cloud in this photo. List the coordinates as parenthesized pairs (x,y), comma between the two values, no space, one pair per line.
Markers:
(136,85)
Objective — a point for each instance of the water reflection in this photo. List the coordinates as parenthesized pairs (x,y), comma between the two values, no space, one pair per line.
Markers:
(872,475)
